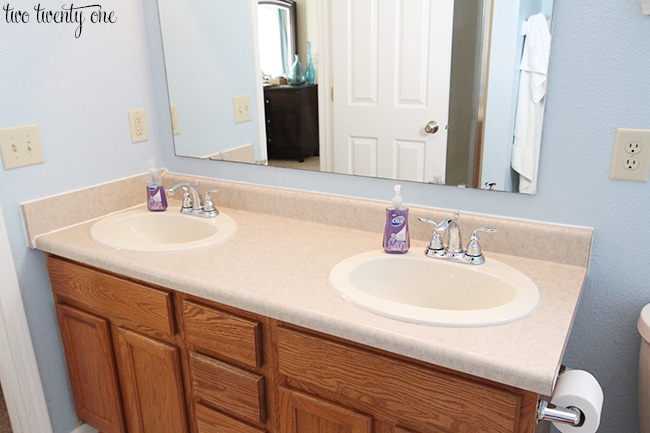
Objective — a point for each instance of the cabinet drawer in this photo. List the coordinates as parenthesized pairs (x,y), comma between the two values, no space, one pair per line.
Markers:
(211,421)
(406,392)
(223,334)
(111,296)
(228,388)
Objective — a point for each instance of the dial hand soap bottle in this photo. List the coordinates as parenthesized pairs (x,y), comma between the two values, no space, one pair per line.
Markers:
(396,233)
(156,199)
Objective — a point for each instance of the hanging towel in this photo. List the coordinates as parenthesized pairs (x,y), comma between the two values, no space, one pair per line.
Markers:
(531,102)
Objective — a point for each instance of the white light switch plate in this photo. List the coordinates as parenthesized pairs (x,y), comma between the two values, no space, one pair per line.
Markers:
(631,159)
(20,146)
(645,6)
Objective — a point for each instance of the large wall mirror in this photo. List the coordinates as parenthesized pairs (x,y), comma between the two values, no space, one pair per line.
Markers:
(435,91)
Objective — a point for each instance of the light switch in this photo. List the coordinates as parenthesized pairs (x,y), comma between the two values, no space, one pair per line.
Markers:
(242,108)
(20,146)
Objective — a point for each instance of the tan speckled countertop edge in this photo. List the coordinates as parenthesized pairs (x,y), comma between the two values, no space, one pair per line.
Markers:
(514,354)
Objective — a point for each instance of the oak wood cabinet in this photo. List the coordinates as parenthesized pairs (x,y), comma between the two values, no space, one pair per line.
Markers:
(120,346)
(192,365)
(91,368)
(152,384)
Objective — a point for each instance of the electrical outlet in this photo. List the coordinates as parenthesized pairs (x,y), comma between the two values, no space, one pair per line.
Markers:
(633,146)
(175,128)
(631,160)
(138,123)
(242,108)
(20,146)
(631,163)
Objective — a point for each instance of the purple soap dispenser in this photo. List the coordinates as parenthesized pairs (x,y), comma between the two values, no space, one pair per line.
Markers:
(396,233)
(156,199)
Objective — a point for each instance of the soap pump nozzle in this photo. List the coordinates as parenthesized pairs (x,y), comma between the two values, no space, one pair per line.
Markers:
(153,173)
(397,199)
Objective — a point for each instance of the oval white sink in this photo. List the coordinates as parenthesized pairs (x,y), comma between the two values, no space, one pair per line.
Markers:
(144,231)
(419,289)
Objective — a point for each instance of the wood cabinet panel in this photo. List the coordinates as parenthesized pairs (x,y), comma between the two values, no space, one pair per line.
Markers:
(91,367)
(301,412)
(211,421)
(127,375)
(111,296)
(152,385)
(228,388)
(427,399)
(291,121)
(223,334)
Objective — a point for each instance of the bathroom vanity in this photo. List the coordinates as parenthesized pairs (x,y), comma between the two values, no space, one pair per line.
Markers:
(245,336)
(150,356)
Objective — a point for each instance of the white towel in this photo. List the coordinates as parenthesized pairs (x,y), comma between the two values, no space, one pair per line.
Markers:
(531,102)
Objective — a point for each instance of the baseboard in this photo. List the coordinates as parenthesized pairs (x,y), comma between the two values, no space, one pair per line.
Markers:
(84,428)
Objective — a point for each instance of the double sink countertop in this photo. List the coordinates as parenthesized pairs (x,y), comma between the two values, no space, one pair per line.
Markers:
(278,261)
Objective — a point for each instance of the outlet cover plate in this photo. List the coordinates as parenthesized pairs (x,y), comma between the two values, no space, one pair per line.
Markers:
(242,108)
(174,112)
(20,146)
(138,123)
(631,159)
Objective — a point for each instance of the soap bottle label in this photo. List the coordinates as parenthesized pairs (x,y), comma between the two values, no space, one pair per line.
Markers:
(157,201)
(396,234)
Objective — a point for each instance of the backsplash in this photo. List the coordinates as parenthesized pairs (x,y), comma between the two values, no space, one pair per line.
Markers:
(523,238)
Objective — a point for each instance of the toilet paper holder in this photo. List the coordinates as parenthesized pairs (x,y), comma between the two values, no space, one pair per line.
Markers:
(565,415)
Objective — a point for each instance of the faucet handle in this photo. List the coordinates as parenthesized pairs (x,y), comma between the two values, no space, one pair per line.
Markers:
(436,240)
(428,221)
(474,248)
(208,205)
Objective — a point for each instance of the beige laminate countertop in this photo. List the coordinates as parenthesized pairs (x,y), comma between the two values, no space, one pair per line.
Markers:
(278,267)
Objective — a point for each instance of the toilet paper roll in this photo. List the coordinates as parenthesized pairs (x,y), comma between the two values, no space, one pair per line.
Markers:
(579,389)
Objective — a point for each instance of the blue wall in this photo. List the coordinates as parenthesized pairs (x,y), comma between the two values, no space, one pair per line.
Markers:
(203,84)
(79,91)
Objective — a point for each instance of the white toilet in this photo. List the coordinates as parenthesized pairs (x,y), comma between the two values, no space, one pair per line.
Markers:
(644,370)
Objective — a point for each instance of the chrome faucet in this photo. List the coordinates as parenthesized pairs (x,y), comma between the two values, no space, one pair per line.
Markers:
(454,249)
(192,204)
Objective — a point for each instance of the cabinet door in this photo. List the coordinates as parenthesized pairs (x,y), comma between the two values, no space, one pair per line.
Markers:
(304,413)
(152,385)
(91,367)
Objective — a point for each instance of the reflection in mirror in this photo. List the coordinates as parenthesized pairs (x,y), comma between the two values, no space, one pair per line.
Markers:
(276,21)
(477,69)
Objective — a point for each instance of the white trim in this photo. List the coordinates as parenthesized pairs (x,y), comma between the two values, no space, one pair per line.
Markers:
(325,84)
(259,90)
(21,381)
(84,428)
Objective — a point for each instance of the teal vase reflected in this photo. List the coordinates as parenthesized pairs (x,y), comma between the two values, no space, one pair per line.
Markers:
(297,75)
(311,73)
